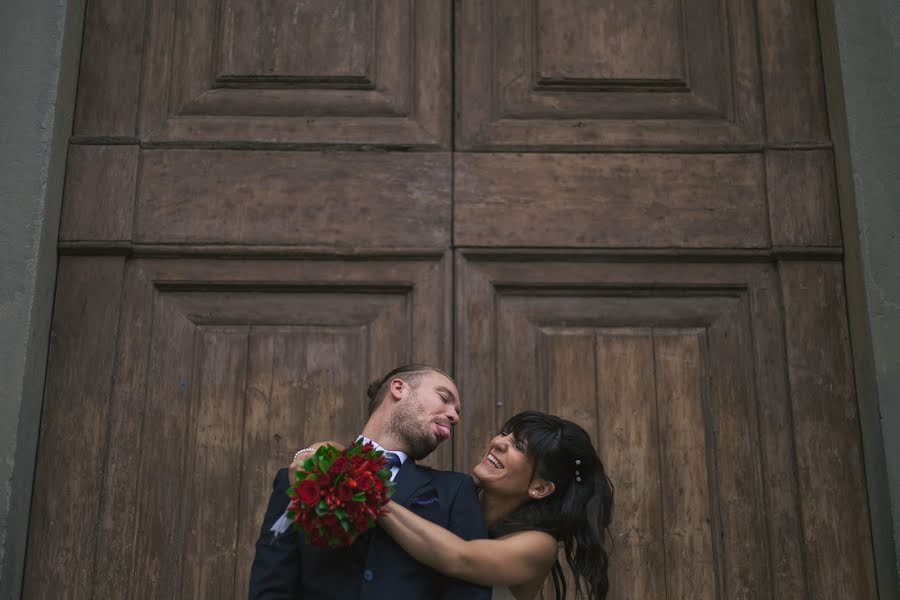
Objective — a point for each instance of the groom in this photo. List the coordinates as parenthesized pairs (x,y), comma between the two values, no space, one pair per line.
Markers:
(412,409)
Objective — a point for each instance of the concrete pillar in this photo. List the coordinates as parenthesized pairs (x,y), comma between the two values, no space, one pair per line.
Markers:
(40,41)
(861,52)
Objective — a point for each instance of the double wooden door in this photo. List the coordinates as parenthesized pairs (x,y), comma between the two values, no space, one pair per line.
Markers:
(622,212)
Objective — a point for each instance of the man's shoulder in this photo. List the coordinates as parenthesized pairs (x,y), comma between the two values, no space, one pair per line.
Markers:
(449,478)
(282,479)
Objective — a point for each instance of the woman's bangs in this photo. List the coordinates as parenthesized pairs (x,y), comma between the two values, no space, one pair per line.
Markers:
(534,430)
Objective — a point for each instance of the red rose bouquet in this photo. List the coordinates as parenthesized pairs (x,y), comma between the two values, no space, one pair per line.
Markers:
(339,493)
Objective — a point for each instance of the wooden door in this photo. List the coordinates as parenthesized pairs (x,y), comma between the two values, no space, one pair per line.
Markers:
(257,223)
(629,207)
(647,242)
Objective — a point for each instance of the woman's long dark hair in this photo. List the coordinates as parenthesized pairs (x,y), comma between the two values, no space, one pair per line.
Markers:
(579,510)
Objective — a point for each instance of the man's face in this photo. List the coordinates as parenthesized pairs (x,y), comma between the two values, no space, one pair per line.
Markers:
(425,415)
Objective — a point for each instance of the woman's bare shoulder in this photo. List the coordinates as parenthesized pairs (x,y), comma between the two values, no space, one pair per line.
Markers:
(538,543)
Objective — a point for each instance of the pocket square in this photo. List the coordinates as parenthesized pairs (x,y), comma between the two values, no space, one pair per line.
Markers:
(426,498)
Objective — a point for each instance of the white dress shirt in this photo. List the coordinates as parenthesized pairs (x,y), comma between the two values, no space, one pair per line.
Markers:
(400,454)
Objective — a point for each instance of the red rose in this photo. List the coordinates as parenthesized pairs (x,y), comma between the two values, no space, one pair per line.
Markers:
(344,492)
(365,481)
(340,465)
(309,492)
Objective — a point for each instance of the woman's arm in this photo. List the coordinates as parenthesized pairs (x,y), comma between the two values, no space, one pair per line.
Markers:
(512,560)
(301,456)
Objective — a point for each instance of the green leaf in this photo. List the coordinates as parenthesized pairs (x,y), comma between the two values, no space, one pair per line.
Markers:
(322,508)
(325,463)
(359,497)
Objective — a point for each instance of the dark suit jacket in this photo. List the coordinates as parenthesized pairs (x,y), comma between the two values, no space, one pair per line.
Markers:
(374,567)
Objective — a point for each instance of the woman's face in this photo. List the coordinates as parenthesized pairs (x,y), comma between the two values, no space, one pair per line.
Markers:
(505,468)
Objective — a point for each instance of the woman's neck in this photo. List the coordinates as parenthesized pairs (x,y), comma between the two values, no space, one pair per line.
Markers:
(496,507)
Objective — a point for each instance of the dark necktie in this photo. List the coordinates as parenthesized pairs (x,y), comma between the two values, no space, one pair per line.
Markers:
(392,460)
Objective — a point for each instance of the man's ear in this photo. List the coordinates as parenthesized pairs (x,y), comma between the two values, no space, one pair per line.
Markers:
(540,488)
(396,388)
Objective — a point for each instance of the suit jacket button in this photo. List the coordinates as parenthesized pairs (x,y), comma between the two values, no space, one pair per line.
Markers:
(368,575)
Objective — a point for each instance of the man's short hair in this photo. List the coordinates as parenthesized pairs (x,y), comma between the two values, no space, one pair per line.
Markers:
(410,373)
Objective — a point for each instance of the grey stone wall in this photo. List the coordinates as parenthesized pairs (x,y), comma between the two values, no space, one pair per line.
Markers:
(39,42)
(861,51)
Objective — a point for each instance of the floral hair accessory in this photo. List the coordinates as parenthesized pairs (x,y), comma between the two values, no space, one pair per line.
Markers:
(338,494)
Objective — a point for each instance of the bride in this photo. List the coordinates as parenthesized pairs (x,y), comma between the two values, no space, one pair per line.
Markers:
(543,488)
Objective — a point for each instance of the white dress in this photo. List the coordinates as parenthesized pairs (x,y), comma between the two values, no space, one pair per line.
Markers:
(502,593)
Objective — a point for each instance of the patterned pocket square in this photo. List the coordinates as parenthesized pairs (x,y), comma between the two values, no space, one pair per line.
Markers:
(426,498)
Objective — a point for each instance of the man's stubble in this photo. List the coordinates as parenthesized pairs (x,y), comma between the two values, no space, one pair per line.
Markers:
(408,423)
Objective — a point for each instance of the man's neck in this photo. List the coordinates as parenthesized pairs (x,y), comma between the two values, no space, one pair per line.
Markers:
(384,438)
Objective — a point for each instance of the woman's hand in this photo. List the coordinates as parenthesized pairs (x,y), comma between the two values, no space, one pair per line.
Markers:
(301,456)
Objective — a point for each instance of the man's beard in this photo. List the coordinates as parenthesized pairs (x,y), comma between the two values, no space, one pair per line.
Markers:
(406,424)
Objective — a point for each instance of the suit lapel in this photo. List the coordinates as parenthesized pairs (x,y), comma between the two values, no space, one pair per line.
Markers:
(410,478)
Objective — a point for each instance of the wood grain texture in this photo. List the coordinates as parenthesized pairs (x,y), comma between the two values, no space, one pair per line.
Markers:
(211,504)
(302,382)
(62,532)
(610,200)
(259,357)
(740,477)
(109,77)
(581,41)
(663,164)
(784,529)
(832,489)
(628,443)
(667,365)
(164,447)
(802,193)
(116,542)
(351,200)
(98,204)
(237,71)
(792,71)
(321,40)
(564,75)
(690,547)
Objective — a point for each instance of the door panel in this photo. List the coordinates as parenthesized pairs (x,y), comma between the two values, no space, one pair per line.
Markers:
(579,74)
(802,198)
(610,200)
(62,530)
(678,372)
(224,368)
(829,459)
(317,72)
(333,199)
(99,191)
